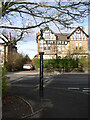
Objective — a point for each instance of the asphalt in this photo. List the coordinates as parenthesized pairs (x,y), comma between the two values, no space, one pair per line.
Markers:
(55,103)
(65,104)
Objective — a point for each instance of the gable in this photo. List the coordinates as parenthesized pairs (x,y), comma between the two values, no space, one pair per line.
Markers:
(78,35)
(48,34)
(78,31)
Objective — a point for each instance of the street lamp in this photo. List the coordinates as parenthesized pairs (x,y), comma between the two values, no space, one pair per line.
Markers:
(41,53)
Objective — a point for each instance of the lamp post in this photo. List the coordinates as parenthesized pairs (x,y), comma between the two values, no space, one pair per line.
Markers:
(41,53)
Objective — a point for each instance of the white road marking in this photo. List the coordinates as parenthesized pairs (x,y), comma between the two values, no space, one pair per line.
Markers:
(21,85)
(86,88)
(16,80)
(31,76)
(26,73)
(74,88)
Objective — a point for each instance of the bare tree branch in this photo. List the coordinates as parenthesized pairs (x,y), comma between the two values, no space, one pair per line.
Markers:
(43,13)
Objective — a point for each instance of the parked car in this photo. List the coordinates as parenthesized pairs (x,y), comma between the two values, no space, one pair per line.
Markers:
(28,67)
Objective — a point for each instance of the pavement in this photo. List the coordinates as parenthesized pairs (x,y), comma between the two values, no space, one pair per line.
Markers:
(55,103)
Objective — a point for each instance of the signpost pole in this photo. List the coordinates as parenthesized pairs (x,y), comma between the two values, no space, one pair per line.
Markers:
(41,52)
(41,74)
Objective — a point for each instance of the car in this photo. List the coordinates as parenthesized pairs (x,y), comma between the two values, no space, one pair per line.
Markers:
(28,67)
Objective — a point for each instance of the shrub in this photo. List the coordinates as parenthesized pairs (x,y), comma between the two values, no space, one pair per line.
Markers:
(5,85)
(37,63)
(66,64)
(89,61)
(83,63)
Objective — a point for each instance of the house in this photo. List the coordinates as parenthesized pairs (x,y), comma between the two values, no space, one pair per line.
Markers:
(61,45)
(7,45)
(78,43)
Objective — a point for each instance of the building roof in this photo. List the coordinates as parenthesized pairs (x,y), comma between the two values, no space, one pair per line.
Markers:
(63,36)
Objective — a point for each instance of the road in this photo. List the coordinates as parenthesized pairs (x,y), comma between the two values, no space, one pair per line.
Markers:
(26,78)
(78,82)
(58,96)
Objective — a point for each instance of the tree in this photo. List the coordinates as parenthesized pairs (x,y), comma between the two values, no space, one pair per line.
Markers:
(36,14)
(27,59)
(15,62)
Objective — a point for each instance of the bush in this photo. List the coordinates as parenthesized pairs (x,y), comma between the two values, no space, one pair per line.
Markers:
(83,63)
(5,85)
(67,64)
(36,63)
(89,61)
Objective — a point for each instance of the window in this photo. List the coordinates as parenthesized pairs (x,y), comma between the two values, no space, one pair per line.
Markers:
(80,45)
(48,47)
(46,36)
(59,48)
(66,47)
(76,45)
(65,42)
(45,47)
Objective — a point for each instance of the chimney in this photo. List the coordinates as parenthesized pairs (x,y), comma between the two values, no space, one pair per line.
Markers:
(9,36)
(83,29)
(38,33)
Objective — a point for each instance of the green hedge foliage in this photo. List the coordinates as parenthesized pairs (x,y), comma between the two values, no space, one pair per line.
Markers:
(66,64)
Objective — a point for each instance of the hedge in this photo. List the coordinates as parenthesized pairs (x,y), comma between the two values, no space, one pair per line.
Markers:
(57,63)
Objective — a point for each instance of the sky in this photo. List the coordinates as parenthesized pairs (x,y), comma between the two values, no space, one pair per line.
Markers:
(30,46)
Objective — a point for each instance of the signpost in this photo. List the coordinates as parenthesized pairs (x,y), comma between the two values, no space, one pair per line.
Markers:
(41,74)
(41,53)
